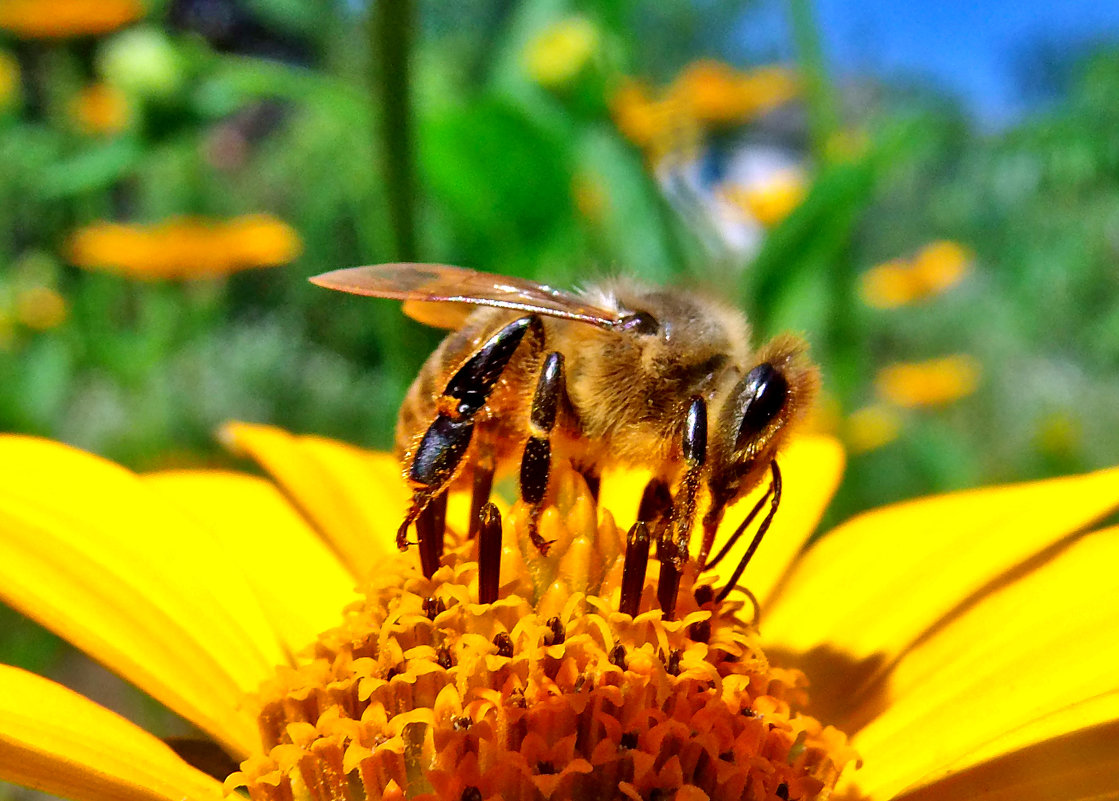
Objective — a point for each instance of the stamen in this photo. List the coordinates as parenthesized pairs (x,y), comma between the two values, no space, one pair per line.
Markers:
(556,635)
(489,554)
(634,567)
(430,526)
(668,584)
(504,644)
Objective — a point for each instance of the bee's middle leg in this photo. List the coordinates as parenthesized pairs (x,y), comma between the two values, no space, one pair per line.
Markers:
(438,458)
(536,461)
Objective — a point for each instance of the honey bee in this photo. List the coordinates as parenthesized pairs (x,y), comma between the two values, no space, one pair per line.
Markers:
(617,374)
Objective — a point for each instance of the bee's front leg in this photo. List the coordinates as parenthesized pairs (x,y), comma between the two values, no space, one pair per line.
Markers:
(536,461)
(438,457)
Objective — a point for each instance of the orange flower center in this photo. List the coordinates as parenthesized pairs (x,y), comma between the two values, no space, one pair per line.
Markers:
(549,692)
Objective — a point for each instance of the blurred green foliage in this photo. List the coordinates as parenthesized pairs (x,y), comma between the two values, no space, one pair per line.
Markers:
(282,111)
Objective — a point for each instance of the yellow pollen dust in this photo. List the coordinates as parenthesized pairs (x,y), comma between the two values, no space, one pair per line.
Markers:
(548,693)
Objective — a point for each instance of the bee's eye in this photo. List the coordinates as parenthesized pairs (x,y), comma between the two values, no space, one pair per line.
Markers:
(764,391)
(640,323)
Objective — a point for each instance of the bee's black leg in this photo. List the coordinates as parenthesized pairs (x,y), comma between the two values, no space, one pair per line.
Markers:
(536,463)
(695,455)
(437,459)
(775,501)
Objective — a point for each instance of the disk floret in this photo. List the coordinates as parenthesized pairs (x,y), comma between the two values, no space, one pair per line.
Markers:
(549,692)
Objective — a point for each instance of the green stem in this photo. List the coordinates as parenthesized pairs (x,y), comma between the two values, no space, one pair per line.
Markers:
(391,34)
(819,95)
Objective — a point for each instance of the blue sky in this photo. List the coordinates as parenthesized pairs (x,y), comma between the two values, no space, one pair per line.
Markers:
(974,50)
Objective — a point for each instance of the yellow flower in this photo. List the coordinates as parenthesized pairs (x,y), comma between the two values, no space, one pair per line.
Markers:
(556,55)
(965,642)
(50,19)
(185,247)
(40,308)
(936,382)
(937,267)
(101,109)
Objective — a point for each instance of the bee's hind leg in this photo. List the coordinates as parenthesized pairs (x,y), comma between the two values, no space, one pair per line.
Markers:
(536,462)
(438,457)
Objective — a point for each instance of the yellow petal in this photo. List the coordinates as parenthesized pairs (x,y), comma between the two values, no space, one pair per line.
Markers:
(354,498)
(879,582)
(811,467)
(1032,660)
(54,740)
(299,580)
(95,555)
(1077,762)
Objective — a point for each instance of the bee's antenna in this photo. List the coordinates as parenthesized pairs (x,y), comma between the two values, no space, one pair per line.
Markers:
(739,531)
(762,529)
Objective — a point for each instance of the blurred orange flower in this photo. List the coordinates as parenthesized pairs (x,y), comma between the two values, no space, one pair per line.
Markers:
(185,247)
(936,382)
(716,94)
(936,268)
(57,19)
(706,94)
(101,109)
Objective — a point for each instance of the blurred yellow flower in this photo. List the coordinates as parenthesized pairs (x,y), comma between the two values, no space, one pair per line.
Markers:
(9,78)
(871,427)
(937,267)
(771,201)
(936,382)
(47,19)
(101,109)
(558,53)
(219,593)
(185,247)
(40,308)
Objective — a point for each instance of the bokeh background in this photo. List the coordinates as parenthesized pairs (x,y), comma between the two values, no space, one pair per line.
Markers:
(929,192)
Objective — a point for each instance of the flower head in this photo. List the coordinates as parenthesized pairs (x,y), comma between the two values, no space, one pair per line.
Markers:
(185,247)
(928,631)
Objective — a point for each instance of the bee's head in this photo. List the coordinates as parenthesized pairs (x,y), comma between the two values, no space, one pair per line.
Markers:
(758,413)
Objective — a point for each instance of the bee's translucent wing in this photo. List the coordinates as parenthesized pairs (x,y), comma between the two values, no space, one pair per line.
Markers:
(420,285)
